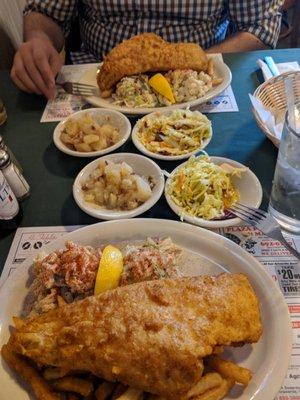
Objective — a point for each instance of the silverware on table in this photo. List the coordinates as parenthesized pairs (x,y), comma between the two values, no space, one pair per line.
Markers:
(264,222)
(79,89)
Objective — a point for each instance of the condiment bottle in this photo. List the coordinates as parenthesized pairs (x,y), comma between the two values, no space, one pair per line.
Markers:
(9,206)
(13,176)
(3,146)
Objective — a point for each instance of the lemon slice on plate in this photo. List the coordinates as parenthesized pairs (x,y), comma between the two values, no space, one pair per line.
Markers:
(159,83)
(110,270)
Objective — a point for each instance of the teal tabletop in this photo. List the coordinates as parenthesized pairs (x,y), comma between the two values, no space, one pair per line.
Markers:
(51,173)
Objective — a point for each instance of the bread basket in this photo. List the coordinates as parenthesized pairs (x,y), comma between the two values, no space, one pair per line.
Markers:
(272,95)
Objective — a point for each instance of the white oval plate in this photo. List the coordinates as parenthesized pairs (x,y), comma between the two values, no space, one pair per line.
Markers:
(250,194)
(268,359)
(102,116)
(222,71)
(158,156)
(141,165)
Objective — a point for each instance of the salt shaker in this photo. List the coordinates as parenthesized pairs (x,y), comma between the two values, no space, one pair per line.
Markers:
(13,176)
(10,211)
(3,146)
(9,206)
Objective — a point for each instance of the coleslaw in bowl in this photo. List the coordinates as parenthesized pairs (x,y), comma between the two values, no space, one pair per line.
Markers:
(172,135)
(202,190)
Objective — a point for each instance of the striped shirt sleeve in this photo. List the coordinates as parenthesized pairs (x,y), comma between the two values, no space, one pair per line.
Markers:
(62,12)
(262,18)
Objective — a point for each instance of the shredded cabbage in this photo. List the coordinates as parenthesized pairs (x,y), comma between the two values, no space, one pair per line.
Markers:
(180,132)
(204,189)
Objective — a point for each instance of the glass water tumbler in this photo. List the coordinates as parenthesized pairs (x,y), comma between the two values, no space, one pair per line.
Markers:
(285,197)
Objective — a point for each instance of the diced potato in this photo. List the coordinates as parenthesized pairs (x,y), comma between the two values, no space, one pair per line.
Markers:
(86,131)
(113,175)
(99,197)
(143,189)
(106,129)
(126,169)
(99,185)
(71,127)
(96,146)
(82,147)
(101,167)
(115,136)
(132,204)
(112,202)
(126,184)
(110,189)
(89,197)
(90,138)
(87,119)
(103,142)
(65,138)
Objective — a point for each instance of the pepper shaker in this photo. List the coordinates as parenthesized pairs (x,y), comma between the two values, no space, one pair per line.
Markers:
(3,146)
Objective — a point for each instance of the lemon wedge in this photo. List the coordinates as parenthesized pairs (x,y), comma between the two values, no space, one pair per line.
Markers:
(159,83)
(110,270)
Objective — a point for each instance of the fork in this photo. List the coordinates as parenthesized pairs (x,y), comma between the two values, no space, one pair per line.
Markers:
(80,89)
(263,221)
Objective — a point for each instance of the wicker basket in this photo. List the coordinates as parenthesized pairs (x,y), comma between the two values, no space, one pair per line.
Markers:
(272,95)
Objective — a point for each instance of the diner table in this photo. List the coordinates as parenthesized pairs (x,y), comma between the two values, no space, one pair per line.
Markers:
(51,173)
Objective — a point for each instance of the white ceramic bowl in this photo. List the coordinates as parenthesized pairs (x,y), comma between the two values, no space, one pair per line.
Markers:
(141,165)
(248,186)
(102,116)
(139,145)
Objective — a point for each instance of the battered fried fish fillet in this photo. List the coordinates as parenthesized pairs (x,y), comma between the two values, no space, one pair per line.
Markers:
(148,53)
(149,335)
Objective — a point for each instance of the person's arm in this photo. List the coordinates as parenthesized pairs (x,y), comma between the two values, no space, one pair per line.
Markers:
(37,60)
(257,25)
(242,41)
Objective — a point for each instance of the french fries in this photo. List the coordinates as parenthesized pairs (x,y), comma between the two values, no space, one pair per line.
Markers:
(60,301)
(206,383)
(131,394)
(104,390)
(217,393)
(38,385)
(230,370)
(218,350)
(119,390)
(52,373)
(73,384)
(210,67)
(54,383)
(72,396)
(211,73)
(211,386)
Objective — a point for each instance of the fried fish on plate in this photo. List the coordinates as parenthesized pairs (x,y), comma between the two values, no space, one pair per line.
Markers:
(150,335)
(148,53)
